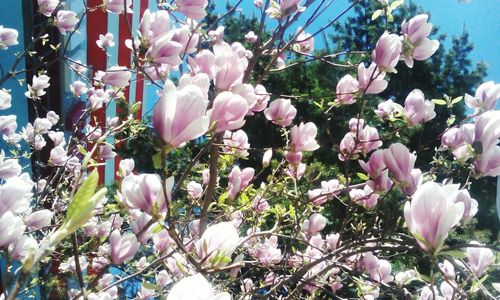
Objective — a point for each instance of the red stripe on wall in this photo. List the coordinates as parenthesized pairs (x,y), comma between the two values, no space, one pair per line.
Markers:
(124,53)
(97,23)
(140,78)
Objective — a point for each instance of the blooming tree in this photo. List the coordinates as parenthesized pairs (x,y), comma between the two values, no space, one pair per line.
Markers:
(217,229)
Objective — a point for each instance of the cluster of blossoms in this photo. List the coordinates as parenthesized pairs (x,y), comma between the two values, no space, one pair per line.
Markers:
(217,229)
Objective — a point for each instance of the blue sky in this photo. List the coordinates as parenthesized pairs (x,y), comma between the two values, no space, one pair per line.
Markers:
(479,17)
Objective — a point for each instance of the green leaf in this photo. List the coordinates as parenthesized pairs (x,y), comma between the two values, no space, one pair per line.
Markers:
(456,100)
(451,120)
(151,286)
(395,4)
(157,161)
(439,101)
(377,14)
(362,176)
(454,253)
(477,283)
(222,198)
(82,196)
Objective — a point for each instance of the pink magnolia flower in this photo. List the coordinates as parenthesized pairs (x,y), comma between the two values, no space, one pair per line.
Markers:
(431,213)
(383,272)
(239,180)
(251,37)
(193,9)
(23,248)
(5,99)
(365,197)
(58,156)
(418,110)
(9,167)
(346,90)
(125,167)
(400,162)
(195,287)
(217,36)
(387,52)
(281,112)
(38,219)
(452,138)
(486,131)
(260,204)
(332,241)
(123,247)
(229,111)
(117,77)
(47,7)
(179,115)
(236,143)
(326,192)
(219,239)
(16,194)
(485,98)
(315,224)
(266,158)
(165,51)
(470,204)
(8,37)
(36,89)
(302,137)
(188,38)
(284,8)
(268,253)
(263,98)
(229,67)
(106,151)
(414,181)
(203,62)
(118,6)
(153,26)
(194,189)
(105,41)
(479,258)
(65,20)
(246,91)
(371,80)
(144,192)
(416,45)
(389,110)
(304,42)
(11,229)
(489,163)
(448,269)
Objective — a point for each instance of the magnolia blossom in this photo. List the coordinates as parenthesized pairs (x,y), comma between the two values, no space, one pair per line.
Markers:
(417,109)
(194,189)
(282,9)
(117,77)
(65,20)
(315,224)
(105,41)
(5,99)
(389,110)
(165,51)
(8,37)
(387,51)
(47,7)
(302,137)
(229,67)
(431,213)
(218,240)
(117,6)
(416,45)
(195,287)
(266,158)
(38,219)
(281,112)
(36,89)
(400,162)
(239,180)
(304,42)
(371,79)
(480,258)
(122,247)
(236,143)
(193,9)
(346,90)
(485,98)
(179,115)
(58,156)
(268,252)
(9,167)
(11,228)
(144,192)
(251,37)
(228,111)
